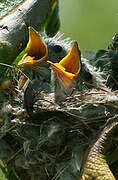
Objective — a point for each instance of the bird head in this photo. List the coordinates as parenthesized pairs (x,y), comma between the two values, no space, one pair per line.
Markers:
(66,72)
(69,67)
(36,50)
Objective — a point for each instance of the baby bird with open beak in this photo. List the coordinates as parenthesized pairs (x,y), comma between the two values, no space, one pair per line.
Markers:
(66,73)
(40,49)
(36,50)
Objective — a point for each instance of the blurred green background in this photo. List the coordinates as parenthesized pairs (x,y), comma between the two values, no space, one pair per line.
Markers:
(92,23)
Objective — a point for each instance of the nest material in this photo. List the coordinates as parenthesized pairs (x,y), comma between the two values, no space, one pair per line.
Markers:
(51,144)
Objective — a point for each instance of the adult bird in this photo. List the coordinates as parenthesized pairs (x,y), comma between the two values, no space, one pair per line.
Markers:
(42,53)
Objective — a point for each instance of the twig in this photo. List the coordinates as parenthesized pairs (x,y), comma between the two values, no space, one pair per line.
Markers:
(13,156)
(94,86)
(110,76)
(75,116)
(59,173)
(16,68)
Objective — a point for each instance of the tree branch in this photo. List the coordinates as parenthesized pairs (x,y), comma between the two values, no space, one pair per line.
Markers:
(13,27)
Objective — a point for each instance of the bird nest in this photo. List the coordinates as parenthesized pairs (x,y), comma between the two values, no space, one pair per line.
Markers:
(52,143)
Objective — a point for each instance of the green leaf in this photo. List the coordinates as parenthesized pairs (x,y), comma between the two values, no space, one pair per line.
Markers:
(52,24)
(18,58)
(3,171)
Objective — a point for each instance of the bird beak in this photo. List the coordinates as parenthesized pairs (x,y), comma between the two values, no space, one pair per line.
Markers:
(36,50)
(69,67)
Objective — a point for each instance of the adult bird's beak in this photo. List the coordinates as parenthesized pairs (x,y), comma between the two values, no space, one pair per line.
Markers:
(68,68)
(36,50)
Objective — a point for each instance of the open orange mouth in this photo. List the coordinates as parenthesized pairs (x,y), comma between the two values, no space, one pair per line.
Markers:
(69,67)
(36,50)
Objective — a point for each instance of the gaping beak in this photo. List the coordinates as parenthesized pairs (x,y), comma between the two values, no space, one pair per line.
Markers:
(36,50)
(69,67)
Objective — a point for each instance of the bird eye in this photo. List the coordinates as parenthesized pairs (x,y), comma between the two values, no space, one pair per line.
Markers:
(57,49)
(44,80)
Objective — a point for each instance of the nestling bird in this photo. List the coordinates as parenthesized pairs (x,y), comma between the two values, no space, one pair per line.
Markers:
(66,73)
(107,61)
(70,69)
